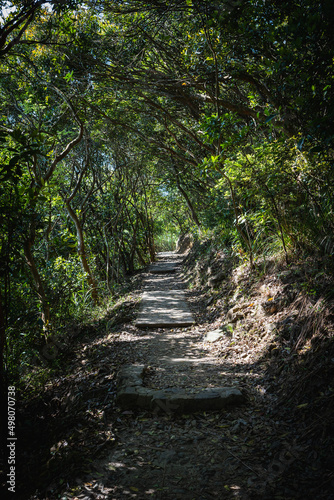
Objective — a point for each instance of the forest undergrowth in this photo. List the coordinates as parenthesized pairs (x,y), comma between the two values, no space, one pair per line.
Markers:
(278,325)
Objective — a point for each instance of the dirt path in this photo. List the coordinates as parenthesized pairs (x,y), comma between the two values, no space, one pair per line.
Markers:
(249,452)
(178,356)
(163,455)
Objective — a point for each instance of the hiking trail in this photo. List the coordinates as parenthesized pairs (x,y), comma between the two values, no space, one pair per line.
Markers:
(178,354)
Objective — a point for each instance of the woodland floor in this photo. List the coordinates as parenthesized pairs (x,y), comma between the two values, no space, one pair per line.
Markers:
(78,444)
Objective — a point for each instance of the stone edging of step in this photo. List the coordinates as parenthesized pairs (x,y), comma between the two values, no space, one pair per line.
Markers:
(132,394)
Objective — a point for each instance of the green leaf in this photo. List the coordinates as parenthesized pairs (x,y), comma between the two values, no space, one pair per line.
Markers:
(69,76)
(271,117)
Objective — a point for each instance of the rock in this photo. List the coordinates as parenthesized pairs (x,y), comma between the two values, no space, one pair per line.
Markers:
(174,400)
(217,398)
(132,394)
(127,397)
(144,396)
(131,376)
(237,312)
(214,335)
(208,399)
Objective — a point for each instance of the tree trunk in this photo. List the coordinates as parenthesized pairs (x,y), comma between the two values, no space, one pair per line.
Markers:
(236,214)
(141,258)
(82,252)
(106,242)
(190,205)
(278,221)
(38,282)
(151,245)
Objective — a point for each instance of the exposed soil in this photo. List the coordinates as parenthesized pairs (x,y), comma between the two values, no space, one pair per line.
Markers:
(278,348)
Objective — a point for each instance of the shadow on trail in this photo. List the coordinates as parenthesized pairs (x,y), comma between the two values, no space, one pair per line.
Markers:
(84,446)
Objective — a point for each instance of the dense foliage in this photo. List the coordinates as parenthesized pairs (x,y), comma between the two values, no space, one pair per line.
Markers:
(124,124)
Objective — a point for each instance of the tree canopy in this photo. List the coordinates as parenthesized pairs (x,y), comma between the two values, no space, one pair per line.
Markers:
(126,123)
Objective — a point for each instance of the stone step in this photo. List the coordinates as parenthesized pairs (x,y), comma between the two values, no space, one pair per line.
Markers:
(169,256)
(131,395)
(163,267)
(164,309)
